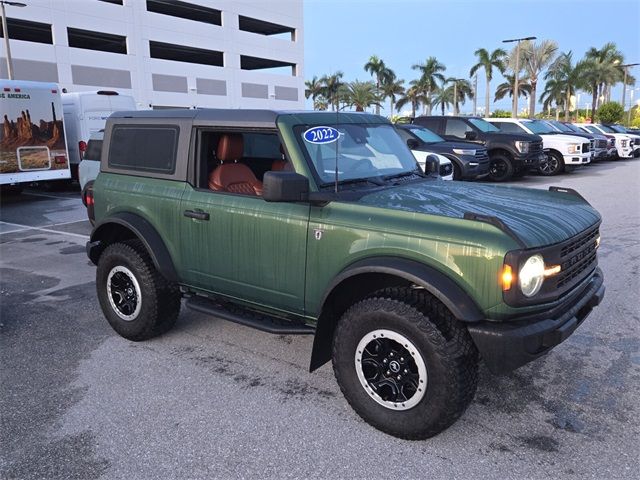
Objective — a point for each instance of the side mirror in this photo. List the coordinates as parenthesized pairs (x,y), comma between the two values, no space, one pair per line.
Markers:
(432,166)
(470,135)
(412,143)
(285,187)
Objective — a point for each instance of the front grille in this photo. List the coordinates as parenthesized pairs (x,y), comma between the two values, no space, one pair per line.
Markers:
(585,148)
(446,169)
(577,258)
(482,156)
(601,143)
(535,147)
(612,142)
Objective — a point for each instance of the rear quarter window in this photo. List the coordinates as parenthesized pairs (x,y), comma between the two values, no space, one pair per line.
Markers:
(145,148)
(94,150)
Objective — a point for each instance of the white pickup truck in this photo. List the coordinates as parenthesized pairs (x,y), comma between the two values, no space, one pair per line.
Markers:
(562,150)
(624,143)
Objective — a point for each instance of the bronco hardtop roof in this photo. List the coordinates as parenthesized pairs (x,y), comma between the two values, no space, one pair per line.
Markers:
(251,117)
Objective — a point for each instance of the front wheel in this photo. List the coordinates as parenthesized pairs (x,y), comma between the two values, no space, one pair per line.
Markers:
(136,300)
(404,363)
(500,168)
(553,165)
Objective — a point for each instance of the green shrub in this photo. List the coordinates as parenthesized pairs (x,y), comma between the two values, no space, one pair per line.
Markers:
(500,114)
(611,112)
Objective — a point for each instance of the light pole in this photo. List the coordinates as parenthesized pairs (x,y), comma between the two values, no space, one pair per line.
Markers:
(624,82)
(5,33)
(514,107)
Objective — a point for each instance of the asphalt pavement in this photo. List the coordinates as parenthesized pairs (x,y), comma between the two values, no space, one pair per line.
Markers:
(212,399)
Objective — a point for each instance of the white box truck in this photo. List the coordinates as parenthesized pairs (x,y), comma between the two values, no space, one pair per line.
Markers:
(32,139)
(86,113)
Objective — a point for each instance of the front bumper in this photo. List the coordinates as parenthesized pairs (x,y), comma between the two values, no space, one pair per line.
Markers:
(529,161)
(577,159)
(508,345)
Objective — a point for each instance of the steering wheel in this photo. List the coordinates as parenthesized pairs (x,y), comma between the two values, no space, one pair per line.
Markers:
(358,164)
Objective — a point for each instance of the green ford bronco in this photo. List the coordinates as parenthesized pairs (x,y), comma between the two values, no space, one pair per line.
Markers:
(322,223)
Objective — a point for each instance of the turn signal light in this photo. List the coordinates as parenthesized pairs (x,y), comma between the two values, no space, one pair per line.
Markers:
(507,277)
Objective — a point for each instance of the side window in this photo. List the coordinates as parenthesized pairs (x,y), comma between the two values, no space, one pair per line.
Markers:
(508,127)
(94,150)
(404,135)
(457,128)
(235,162)
(145,148)
(432,124)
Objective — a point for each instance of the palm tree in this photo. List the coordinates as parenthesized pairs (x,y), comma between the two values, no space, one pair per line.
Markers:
(377,68)
(314,89)
(601,71)
(443,97)
(430,75)
(567,76)
(506,88)
(534,58)
(331,87)
(462,90)
(411,96)
(553,94)
(487,61)
(390,88)
(361,95)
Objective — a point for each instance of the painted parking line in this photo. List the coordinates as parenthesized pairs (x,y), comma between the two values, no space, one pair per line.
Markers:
(23,228)
(56,197)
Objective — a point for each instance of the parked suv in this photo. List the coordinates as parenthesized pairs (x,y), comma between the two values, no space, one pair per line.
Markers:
(509,153)
(562,150)
(470,160)
(322,223)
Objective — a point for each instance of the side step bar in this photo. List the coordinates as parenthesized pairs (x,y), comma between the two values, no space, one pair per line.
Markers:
(263,322)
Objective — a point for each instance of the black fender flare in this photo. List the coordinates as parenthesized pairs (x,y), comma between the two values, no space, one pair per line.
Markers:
(143,230)
(452,295)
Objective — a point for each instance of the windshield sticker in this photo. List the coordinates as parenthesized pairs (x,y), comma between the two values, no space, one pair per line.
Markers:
(321,135)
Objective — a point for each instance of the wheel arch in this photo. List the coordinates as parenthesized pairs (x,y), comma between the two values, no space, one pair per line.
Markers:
(127,226)
(369,275)
(500,150)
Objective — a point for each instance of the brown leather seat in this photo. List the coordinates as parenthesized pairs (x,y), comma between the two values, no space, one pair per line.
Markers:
(233,177)
(279,165)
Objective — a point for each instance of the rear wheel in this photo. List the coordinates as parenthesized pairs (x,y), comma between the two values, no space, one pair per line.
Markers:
(553,165)
(404,363)
(500,168)
(137,301)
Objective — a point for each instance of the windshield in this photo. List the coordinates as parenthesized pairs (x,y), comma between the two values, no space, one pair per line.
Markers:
(572,127)
(560,126)
(483,125)
(607,129)
(426,135)
(618,129)
(536,126)
(363,151)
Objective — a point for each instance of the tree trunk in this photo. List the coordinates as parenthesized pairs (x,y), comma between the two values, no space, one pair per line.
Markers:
(487,98)
(377,93)
(391,107)
(413,108)
(567,105)
(594,101)
(428,101)
(532,98)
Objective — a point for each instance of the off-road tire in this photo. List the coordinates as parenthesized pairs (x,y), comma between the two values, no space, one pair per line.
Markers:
(159,299)
(554,165)
(457,171)
(450,356)
(500,168)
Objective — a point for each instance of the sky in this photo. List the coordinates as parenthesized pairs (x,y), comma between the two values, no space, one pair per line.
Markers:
(343,34)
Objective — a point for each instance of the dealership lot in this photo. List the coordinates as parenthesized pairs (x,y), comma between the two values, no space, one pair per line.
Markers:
(214,399)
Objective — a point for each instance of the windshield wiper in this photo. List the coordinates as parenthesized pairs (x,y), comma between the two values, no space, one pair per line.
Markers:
(416,172)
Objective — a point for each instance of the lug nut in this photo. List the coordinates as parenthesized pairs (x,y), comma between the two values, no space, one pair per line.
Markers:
(399,377)
(388,372)
(384,361)
(406,371)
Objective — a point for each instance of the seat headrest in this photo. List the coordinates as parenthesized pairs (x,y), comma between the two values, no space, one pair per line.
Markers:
(230,147)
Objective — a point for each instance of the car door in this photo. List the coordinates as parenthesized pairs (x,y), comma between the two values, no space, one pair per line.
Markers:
(244,247)
(456,129)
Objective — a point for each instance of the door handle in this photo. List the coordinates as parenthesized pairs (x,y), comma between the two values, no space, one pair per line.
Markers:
(196,215)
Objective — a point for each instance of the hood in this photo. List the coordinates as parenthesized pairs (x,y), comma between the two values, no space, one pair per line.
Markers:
(517,137)
(447,147)
(566,137)
(538,217)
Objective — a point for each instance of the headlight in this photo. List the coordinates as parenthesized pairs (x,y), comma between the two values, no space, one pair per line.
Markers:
(523,147)
(531,276)
(574,148)
(464,151)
